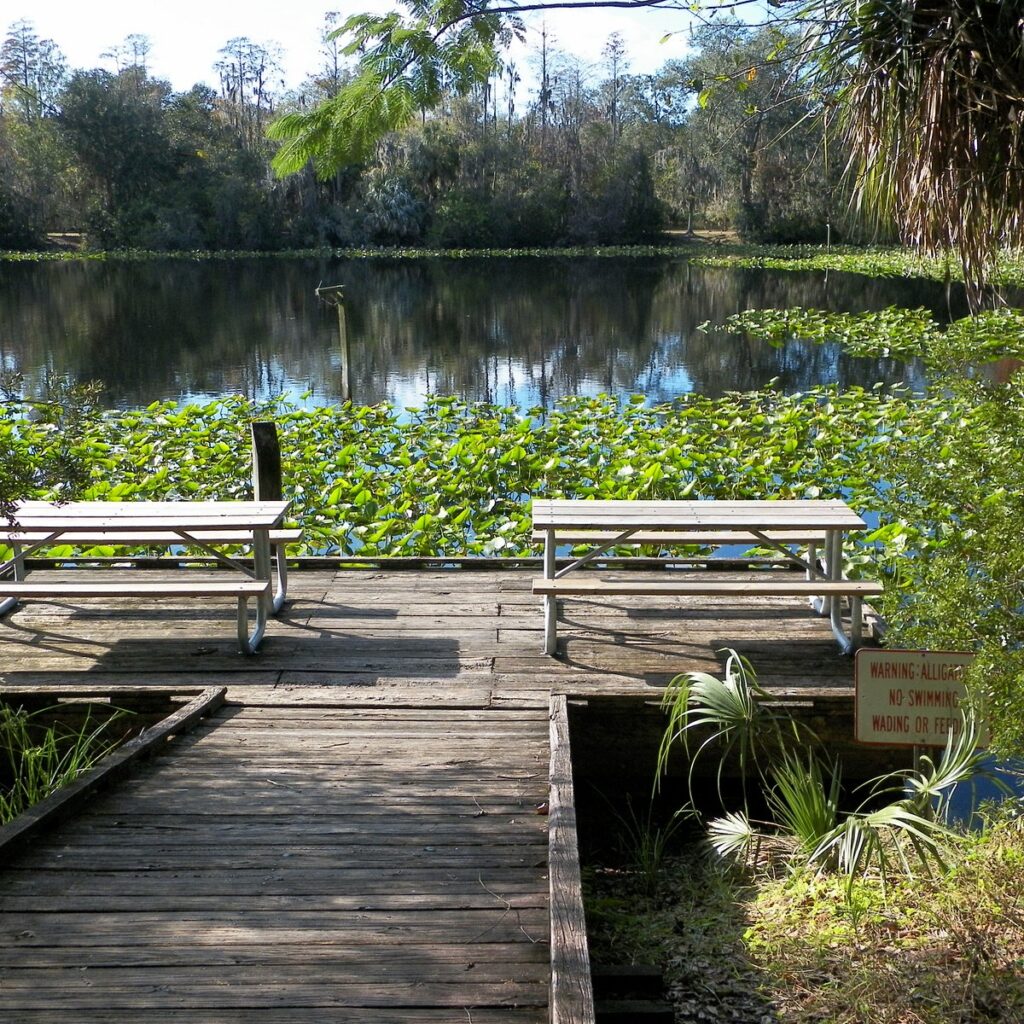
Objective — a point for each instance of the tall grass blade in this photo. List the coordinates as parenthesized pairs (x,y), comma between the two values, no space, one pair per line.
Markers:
(37,760)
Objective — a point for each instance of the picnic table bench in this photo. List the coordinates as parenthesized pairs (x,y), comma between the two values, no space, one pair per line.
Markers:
(208,526)
(787,527)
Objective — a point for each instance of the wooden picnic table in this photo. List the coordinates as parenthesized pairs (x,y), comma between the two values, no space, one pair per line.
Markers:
(784,526)
(207,525)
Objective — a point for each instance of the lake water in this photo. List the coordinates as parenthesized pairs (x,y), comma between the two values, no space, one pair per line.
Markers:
(522,331)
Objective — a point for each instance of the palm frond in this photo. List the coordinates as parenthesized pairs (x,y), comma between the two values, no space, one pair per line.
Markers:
(933,102)
(726,708)
(733,836)
(801,803)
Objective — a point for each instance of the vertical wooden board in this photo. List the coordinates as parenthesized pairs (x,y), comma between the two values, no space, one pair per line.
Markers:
(572,994)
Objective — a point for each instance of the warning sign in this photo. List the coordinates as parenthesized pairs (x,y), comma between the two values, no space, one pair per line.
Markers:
(905,698)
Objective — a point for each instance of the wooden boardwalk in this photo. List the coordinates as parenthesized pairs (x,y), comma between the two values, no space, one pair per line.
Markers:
(457,637)
(354,836)
(327,864)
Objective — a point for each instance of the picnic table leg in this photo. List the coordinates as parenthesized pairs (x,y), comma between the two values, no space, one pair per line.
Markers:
(550,602)
(19,574)
(265,604)
(856,621)
(281,569)
(817,603)
(248,642)
(834,548)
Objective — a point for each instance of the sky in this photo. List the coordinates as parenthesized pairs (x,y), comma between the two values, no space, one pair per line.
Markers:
(186,35)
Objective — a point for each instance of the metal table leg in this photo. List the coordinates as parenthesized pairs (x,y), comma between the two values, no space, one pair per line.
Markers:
(834,547)
(550,602)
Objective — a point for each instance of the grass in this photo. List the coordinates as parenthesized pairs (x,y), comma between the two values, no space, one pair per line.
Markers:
(36,759)
(803,947)
(691,926)
(945,949)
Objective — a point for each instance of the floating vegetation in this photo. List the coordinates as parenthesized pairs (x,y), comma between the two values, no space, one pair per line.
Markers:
(894,332)
(873,262)
(351,253)
(455,478)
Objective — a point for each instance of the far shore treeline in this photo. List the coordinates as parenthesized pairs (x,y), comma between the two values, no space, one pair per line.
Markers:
(591,154)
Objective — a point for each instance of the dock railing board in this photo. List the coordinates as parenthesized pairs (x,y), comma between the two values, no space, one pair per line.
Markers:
(114,766)
(572,994)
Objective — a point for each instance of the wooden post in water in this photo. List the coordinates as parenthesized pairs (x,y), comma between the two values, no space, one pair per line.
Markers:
(332,295)
(267,484)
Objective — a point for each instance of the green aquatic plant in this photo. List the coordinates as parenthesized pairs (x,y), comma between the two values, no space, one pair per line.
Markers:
(1007,268)
(37,759)
(450,478)
(871,261)
(894,332)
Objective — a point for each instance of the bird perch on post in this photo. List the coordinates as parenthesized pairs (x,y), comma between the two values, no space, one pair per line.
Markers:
(333,295)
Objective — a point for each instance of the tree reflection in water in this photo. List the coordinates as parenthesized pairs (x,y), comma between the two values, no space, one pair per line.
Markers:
(521,331)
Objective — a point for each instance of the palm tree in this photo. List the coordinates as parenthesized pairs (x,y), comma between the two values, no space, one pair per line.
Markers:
(934,111)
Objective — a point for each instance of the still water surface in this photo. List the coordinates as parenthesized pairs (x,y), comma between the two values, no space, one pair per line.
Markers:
(521,331)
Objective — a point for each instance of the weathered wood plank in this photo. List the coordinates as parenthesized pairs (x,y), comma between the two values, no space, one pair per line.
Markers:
(408,857)
(259,996)
(572,995)
(65,801)
(297,976)
(285,879)
(372,959)
(321,1015)
(587,586)
(390,927)
(189,903)
(417,832)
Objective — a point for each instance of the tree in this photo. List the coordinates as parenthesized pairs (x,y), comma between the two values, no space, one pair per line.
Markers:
(333,72)
(934,110)
(931,91)
(756,125)
(133,52)
(246,70)
(685,178)
(32,71)
(39,439)
(614,54)
(115,129)
(406,65)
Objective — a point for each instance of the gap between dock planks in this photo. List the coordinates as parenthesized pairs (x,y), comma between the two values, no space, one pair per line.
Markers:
(327,864)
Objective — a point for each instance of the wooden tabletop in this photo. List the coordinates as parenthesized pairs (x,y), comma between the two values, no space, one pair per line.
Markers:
(696,515)
(147,516)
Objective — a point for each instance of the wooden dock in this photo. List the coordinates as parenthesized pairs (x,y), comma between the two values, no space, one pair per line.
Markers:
(457,637)
(355,835)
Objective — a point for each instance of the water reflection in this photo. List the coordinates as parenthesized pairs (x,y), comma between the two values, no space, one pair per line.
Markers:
(523,331)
